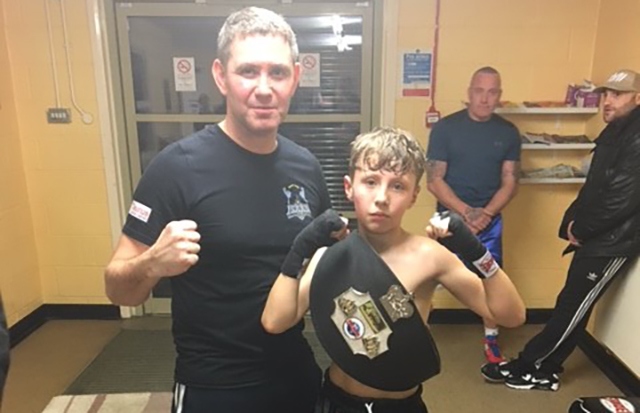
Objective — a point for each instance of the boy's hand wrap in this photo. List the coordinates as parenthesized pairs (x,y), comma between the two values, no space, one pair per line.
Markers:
(314,236)
(464,243)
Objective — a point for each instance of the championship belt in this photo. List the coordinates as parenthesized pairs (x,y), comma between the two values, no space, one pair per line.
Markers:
(367,322)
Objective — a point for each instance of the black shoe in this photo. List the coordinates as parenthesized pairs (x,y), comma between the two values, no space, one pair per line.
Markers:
(538,380)
(498,372)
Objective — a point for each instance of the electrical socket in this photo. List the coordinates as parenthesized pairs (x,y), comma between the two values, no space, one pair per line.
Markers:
(58,115)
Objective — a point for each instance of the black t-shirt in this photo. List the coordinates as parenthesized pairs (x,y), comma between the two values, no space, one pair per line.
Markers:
(474,152)
(248,209)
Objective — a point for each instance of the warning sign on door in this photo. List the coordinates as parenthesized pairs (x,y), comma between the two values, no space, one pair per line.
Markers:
(310,70)
(184,74)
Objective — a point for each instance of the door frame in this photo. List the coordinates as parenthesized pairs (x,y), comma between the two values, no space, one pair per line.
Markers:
(119,129)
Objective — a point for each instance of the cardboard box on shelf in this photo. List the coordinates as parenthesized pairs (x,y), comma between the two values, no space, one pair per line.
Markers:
(582,96)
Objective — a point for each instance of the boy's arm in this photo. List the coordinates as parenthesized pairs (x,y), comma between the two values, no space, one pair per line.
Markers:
(495,297)
(491,293)
(282,309)
(288,299)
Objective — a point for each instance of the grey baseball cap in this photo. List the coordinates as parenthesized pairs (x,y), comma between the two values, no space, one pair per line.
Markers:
(623,80)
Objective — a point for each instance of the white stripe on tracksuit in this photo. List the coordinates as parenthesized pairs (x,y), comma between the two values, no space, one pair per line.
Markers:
(178,397)
(609,271)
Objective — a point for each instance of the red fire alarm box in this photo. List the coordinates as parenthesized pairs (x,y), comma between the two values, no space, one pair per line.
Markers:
(431,117)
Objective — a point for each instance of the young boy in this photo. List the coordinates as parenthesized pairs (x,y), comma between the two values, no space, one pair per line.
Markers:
(370,290)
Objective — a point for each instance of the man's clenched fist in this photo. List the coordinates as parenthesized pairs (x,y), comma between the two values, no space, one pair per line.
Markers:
(176,249)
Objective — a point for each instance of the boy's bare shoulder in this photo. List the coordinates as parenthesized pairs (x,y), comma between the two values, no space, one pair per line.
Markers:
(425,246)
(430,253)
(422,263)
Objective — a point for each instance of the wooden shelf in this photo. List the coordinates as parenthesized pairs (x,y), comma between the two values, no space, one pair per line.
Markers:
(523,110)
(557,146)
(553,181)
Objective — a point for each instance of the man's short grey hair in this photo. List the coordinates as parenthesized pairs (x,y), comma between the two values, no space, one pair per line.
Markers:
(486,70)
(252,21)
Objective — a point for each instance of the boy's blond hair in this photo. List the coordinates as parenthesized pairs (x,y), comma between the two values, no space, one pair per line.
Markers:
(390,149)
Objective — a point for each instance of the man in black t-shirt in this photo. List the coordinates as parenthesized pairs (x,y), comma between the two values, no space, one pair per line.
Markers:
(216,213)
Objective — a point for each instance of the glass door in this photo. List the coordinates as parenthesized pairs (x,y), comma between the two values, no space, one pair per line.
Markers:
(166,51)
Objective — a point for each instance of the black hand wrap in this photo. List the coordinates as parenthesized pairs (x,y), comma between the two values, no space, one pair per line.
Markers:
(315,235)
(465,244)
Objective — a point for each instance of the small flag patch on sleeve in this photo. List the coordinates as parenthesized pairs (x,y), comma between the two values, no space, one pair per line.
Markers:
(140,211)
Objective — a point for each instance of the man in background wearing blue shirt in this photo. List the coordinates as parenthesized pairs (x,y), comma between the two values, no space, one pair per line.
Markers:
(473,163)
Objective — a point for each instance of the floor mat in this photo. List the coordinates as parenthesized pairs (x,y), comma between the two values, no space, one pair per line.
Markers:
(143,361)
(134,361)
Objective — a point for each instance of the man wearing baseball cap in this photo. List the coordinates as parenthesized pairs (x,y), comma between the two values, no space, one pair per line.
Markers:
(624,80)
(602,226)
(620,94)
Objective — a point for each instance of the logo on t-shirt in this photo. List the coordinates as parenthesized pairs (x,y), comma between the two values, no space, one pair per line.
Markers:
(140,211)
(297,204)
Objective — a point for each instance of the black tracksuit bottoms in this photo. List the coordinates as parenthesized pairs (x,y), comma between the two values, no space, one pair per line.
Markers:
(587,280)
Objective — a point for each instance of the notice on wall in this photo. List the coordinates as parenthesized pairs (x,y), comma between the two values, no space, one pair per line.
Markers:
(310,70)
(415,73)
(184,74)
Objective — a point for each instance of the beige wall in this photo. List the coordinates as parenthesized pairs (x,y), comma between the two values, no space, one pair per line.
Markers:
(539,47)
(19,277)
(58,190)
(616,45)
(62,164)
(618,314)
